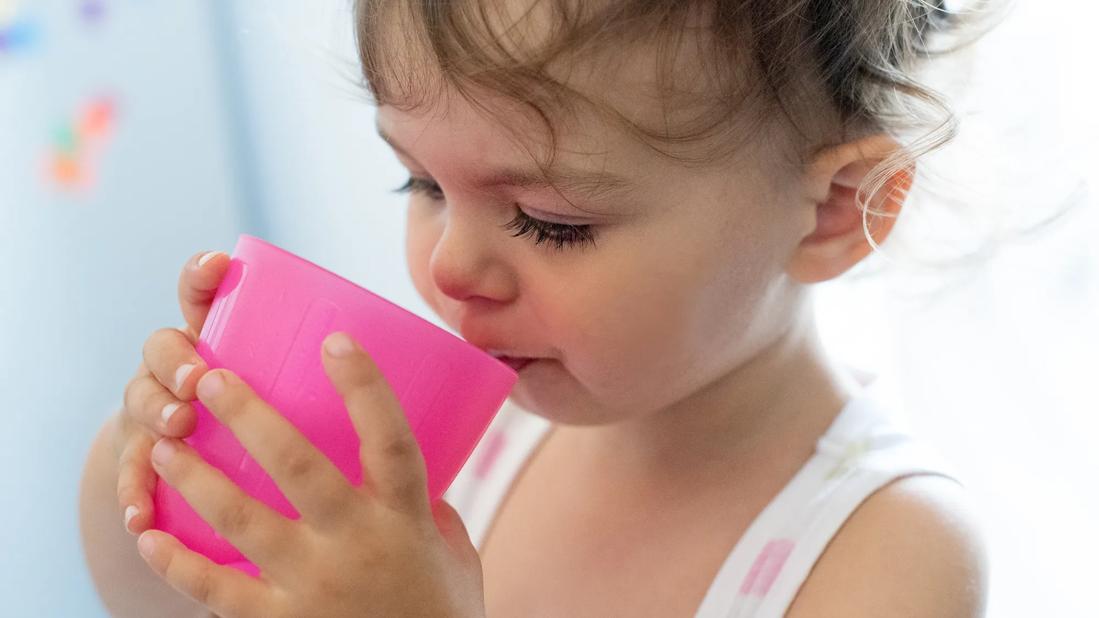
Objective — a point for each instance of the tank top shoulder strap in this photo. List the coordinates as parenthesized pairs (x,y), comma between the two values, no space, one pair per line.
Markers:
(867,446)
(487,475)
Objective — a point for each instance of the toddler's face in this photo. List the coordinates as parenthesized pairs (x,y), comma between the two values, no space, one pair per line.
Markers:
(685,280)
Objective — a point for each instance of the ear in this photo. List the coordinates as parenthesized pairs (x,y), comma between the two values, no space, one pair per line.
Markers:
(838,241)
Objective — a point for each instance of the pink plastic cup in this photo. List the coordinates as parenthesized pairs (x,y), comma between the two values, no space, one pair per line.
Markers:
(266,324)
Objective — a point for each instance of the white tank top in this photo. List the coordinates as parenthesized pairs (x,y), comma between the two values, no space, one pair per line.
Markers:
(864,448)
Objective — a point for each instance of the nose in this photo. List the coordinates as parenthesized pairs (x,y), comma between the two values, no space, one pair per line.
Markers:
(465,262)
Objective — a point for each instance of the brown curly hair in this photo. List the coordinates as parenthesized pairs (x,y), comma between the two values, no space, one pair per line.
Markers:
(755,57)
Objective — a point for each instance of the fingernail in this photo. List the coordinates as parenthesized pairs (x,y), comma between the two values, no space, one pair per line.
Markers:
(206,258)
(145,544)
(339,344)
(181,375)
(168,411)
(210,385)
(131,512)
(163,451)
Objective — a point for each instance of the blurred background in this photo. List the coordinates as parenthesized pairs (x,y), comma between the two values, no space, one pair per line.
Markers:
(136,133)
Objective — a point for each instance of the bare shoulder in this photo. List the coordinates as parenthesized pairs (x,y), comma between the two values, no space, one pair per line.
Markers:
(914,548)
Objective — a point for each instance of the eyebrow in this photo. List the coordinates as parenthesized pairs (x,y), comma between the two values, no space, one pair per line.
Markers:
(594,185)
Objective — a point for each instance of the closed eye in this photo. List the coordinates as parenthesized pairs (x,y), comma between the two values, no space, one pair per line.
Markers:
(561,235)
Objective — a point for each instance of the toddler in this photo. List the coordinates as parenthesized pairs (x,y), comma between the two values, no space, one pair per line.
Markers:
(628,201)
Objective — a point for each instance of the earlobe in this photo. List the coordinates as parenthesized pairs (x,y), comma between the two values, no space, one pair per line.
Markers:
(838,240)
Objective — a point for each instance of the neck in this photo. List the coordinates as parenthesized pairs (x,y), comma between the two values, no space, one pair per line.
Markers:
(765,413)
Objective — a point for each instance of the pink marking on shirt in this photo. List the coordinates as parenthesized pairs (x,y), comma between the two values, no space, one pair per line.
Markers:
(487,460)
(765,569)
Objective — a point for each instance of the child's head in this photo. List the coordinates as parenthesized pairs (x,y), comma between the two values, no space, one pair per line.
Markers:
(709,153)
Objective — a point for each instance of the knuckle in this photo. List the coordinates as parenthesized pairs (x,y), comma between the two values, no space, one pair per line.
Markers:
(125,492)
(136,467)
(121,433)
(202,585)
(299,467)
(233,404)
(364,381)
(402,448)
(129,456)
(236,518)
(152,394)
(153,345)
(330,585)
(405,490)
(164,351)
(126,462)
(137,385)
(371,377)
(152,405)
(295,463)
(130,493)
(407,483)
(130,394)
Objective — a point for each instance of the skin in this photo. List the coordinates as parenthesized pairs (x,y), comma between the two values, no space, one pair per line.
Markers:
(684,340)
(377,549)
(678,350)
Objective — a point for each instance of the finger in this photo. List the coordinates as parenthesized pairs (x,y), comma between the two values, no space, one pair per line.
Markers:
(153,407)
(310,481)
(227,592)
(136,484)
(453,529)
(124,419)
(170,355)
(390,454)
(198,284)
(258,531)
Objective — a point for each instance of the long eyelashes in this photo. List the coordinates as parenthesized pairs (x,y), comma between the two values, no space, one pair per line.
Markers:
(561,235)
(420,185)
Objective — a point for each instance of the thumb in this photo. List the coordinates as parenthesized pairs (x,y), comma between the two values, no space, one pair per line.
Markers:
(453,529)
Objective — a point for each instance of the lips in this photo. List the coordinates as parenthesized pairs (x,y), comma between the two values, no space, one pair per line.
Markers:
(515,363)
(493,348)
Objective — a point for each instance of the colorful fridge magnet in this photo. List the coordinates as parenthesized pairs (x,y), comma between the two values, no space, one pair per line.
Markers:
(18,31)
(92,11)
(78,145)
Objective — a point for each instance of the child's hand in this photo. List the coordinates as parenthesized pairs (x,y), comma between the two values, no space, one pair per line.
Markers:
(153,392)
(378,549)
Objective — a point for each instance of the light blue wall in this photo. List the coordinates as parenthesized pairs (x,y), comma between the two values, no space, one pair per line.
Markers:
(232,118)
(86,277)
(244,117)
(326,175)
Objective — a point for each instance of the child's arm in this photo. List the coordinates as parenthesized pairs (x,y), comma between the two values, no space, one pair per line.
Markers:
(915,548)
(124,581)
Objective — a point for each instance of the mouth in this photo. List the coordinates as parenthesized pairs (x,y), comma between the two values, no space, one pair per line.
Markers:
(516,363)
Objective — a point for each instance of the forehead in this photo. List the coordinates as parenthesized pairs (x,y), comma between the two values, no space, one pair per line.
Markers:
(491,151)
(630,74)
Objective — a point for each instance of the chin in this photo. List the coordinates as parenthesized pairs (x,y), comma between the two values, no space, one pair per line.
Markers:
(554,396)
(546,390)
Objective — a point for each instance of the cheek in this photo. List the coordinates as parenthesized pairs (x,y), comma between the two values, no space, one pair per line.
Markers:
(626,318)
(658,319)
(421,235)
